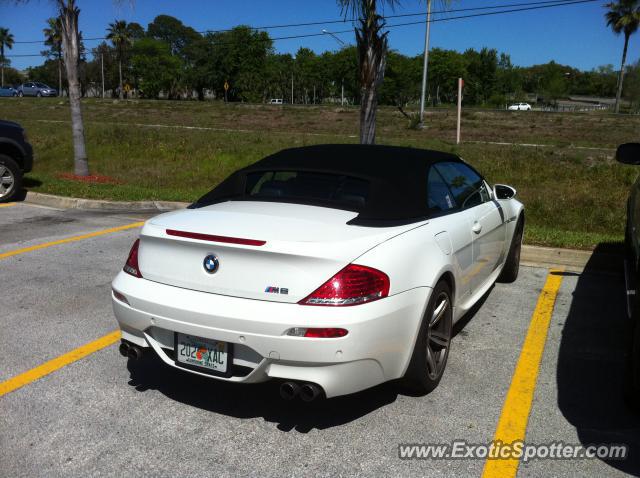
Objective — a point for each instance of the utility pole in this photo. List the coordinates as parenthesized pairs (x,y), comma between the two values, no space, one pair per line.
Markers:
(327,32)
(426,64)
(292,88)
(102,70)
(460,85)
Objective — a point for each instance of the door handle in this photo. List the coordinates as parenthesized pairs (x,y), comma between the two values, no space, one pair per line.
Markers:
(477,227)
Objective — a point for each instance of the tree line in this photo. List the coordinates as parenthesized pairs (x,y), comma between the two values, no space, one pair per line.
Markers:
(171,59)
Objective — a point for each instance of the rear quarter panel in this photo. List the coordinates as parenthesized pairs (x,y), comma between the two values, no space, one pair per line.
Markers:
(411,260)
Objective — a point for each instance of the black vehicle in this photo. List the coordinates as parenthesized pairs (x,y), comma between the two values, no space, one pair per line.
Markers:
(16,158)
(630,154)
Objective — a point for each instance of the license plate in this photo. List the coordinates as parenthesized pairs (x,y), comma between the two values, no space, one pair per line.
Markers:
(200,352)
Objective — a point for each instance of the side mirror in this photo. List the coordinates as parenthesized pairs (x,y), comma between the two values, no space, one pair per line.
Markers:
(628,153)
(502,191)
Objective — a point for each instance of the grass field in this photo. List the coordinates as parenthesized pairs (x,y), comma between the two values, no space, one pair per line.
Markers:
(573,190)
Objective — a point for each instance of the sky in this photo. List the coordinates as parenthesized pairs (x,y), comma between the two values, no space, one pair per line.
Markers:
(575,35)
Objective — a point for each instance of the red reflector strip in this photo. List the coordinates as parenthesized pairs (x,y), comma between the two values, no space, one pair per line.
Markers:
(212,238)
(328,333)
(120,297)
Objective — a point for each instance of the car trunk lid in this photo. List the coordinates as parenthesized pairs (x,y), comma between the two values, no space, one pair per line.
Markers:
(266,251)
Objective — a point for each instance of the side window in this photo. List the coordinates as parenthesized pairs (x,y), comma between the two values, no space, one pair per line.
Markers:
(465,184)
(439,195)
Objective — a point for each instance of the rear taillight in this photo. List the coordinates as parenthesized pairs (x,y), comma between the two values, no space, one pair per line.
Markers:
(131,266)
(353,285)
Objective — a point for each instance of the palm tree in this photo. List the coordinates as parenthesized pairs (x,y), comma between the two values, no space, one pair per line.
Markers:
(6,40)
(623,17)
(121,36)
(372,50)
(68,14)
(53,38)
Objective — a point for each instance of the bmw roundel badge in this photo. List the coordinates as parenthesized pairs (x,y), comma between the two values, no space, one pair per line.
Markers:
(211,264)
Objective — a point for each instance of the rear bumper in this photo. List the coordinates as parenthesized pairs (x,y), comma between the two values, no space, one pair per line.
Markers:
(377,348)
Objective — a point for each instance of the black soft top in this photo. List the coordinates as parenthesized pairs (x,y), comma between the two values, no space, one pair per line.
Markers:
(397,178)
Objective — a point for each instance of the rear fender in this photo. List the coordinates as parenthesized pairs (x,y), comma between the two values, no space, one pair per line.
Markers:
(412,259)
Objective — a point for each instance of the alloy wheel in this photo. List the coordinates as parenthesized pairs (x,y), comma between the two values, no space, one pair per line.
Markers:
(7,181)
(438,336)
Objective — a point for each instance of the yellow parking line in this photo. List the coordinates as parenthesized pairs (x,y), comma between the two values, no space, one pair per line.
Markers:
(70,239)
(512,425)
(57,363)
(8,204)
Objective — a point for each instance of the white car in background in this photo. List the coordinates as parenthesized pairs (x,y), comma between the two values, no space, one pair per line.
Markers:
(520,107)
(331,268)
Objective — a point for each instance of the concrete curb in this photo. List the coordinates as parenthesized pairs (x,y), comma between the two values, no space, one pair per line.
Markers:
(534,256)
(60,202)
(572,260)
(549,257)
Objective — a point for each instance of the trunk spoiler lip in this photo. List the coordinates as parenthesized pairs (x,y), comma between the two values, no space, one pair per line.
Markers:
(214,238)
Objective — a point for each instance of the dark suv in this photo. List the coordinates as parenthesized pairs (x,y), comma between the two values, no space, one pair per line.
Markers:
(16,158)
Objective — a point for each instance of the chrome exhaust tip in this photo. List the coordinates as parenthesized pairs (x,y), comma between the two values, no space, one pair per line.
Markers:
(289,390)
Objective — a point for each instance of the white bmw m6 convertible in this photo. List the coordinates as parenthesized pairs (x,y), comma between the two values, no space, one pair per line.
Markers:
(330,268)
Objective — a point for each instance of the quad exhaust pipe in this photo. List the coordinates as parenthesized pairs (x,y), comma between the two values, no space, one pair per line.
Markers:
(131,351)
(135,352)
(307,392)
(124,349)
(289,390)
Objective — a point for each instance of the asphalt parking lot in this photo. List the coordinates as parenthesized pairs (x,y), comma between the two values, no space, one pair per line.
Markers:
(96,414)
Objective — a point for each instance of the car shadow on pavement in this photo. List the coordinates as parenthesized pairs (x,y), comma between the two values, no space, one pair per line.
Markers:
(263,399)
(591,361)
(256,400)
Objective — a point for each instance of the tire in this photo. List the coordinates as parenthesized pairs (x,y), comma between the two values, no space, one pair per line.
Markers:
(431,351)
(628,247)
(39,95)
(632,365)
(512,264)
(10,178)
(20,94)
(629,255)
